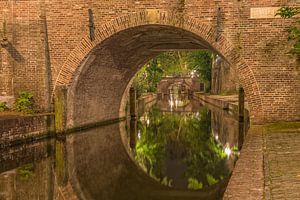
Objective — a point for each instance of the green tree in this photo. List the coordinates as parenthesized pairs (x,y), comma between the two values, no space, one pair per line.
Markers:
(148,77)
(173,63)
(294,31)
(201,61)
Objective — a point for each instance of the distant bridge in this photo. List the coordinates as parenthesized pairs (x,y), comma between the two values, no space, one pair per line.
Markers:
(183,84)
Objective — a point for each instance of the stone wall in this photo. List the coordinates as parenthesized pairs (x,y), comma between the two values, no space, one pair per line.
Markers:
(48,41)
(224,78)
(17,129)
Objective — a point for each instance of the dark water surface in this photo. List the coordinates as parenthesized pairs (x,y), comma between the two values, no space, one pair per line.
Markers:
(177,149)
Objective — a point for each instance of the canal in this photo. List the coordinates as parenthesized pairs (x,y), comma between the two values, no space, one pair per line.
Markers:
(177,148)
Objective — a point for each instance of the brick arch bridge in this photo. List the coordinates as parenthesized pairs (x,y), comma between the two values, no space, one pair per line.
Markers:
(124,45)
(49,45)
(188,82)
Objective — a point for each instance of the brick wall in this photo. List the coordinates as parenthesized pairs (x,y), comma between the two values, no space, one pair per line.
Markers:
(24,127)
(24,59)
(56,33)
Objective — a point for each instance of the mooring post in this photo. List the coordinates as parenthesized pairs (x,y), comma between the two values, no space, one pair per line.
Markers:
(60,106)
(241,117)
(132,101)
(60,162)
(133,133)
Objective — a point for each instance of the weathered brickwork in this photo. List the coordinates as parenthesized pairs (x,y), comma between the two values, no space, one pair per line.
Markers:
(23,57)
(24,127)
(223,79)
(19,155)
(247,180)
(44,34)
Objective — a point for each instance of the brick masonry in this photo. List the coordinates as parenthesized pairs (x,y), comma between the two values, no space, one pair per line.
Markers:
(247,180)
(22,128)
(268,167)
(49,45)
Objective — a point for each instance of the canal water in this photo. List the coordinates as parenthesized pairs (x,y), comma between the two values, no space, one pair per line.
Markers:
(177,149)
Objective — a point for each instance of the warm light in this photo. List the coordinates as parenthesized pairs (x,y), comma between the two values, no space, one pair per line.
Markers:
(139,134)
(228,151)
(217,137)
(148,121)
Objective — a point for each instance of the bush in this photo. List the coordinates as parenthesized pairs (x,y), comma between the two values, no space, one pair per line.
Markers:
(25,103)
(3,106)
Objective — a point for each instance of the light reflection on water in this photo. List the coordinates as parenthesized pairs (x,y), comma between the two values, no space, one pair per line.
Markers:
(190,147)
(179,146)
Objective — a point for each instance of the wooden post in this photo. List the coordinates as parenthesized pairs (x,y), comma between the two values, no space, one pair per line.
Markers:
(132,101)
(60,104)
(133,133)
(61,162)
(241,117)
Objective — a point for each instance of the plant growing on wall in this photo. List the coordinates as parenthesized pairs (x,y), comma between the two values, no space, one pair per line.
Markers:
(3,106)
(26,171)
(25,103)
(294,30)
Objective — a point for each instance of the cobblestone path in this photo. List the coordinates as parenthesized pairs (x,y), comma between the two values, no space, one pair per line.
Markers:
(269,165)
(282,164)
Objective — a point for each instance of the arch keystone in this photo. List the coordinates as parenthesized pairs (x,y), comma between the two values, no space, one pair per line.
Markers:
(153,16)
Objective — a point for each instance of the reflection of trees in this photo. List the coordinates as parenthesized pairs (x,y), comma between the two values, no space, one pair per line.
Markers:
(204,158)
(151,145)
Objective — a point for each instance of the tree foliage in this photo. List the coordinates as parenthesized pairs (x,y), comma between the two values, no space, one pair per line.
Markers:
(294,31)
(201,61)
(173,63)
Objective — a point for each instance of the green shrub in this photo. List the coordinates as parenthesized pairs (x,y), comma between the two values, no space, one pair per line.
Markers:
(26,171)
(25,103)
(3,106)
(194,184)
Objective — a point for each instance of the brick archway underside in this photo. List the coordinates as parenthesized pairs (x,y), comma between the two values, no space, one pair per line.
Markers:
(98,72)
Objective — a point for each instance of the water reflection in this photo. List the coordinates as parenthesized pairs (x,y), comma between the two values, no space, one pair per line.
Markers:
(180,150)
(26,172)
(185,154)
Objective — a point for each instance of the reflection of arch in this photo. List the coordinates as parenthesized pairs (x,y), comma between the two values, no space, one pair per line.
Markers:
(180,86)
(103,51)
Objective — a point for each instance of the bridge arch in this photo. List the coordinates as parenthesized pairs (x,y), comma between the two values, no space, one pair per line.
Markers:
(98,72)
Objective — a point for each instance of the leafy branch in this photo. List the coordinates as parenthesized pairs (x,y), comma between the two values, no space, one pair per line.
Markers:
(294,31)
